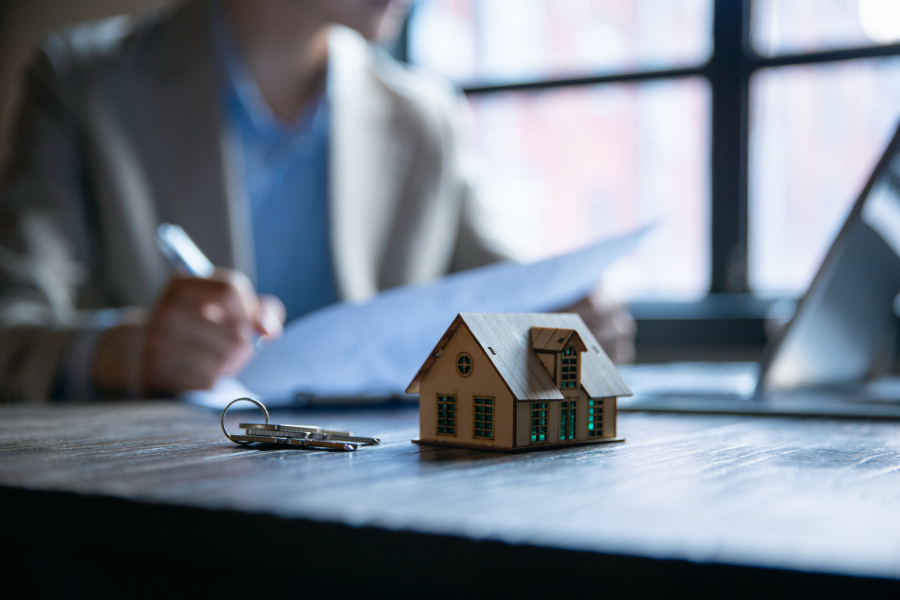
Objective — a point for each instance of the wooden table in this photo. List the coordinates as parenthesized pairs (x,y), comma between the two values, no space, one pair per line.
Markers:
(152,499)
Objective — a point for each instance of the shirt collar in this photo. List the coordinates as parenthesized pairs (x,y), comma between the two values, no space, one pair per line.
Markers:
(241,88)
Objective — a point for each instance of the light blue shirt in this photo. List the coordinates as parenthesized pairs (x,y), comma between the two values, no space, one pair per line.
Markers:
(285,169)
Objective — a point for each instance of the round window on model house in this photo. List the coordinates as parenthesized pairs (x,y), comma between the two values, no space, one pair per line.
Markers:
(464,364)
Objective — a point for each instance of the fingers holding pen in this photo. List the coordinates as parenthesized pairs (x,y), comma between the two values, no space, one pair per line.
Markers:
(271,316)
(202,329)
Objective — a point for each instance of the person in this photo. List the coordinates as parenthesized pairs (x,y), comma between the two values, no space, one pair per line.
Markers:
(307,164)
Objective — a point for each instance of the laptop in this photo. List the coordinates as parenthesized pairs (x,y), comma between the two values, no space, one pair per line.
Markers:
(835,355)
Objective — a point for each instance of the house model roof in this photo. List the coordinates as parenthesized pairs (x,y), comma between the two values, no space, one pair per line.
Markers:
(507,342)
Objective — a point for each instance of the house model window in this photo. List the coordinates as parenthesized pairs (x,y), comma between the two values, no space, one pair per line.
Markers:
(539,422)
(484,418)
(446,415)
(569,371)
(595,418)
(568,414)
(543,381)
(464,364)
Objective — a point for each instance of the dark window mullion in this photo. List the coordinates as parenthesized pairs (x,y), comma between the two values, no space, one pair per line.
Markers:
(729,74)
(627,77)
(824,56)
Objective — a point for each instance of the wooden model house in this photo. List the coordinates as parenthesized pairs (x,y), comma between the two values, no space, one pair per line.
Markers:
(517,382)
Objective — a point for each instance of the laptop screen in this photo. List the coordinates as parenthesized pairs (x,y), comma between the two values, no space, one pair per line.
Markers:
(844,330)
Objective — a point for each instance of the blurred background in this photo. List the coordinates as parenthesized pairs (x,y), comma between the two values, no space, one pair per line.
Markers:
(744,129)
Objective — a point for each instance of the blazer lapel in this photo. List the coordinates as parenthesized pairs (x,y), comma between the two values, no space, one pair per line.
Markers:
(369,156)
(189,150)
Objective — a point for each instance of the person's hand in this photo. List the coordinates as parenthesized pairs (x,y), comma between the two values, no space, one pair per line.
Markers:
(610,322)
(199,330)
(203,329)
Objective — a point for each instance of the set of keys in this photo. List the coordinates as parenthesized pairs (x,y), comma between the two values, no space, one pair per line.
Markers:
(303,436)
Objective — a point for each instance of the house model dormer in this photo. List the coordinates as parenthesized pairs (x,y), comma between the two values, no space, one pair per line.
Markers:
(517,382)
(560,353)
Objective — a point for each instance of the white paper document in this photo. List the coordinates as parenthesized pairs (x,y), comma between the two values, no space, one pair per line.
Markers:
(375,348)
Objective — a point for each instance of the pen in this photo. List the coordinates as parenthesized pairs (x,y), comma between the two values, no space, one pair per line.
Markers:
(182,252)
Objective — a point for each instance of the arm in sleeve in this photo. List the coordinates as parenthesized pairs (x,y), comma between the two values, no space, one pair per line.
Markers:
(44,254)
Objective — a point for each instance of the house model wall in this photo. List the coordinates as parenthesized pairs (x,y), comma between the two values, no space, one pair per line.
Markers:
(517,382)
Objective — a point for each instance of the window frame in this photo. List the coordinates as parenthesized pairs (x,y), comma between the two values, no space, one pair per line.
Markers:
(594,408)
(569,422)
(543,413)
(567,378)
(460,362)
(484,422)
(455,417)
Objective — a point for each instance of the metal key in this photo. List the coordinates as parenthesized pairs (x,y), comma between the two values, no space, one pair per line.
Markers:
(295,428)
(324,444)
(303,436)
(314,435)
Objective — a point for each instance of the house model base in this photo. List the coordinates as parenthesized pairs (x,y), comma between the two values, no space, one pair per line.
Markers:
(516,383)
(518,449)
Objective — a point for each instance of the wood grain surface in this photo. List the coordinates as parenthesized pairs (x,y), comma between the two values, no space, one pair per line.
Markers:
(796,494)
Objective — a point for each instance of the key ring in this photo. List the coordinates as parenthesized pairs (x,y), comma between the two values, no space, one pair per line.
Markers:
(256,402)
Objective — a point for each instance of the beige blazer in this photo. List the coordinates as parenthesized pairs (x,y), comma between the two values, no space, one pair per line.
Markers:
(121,129)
